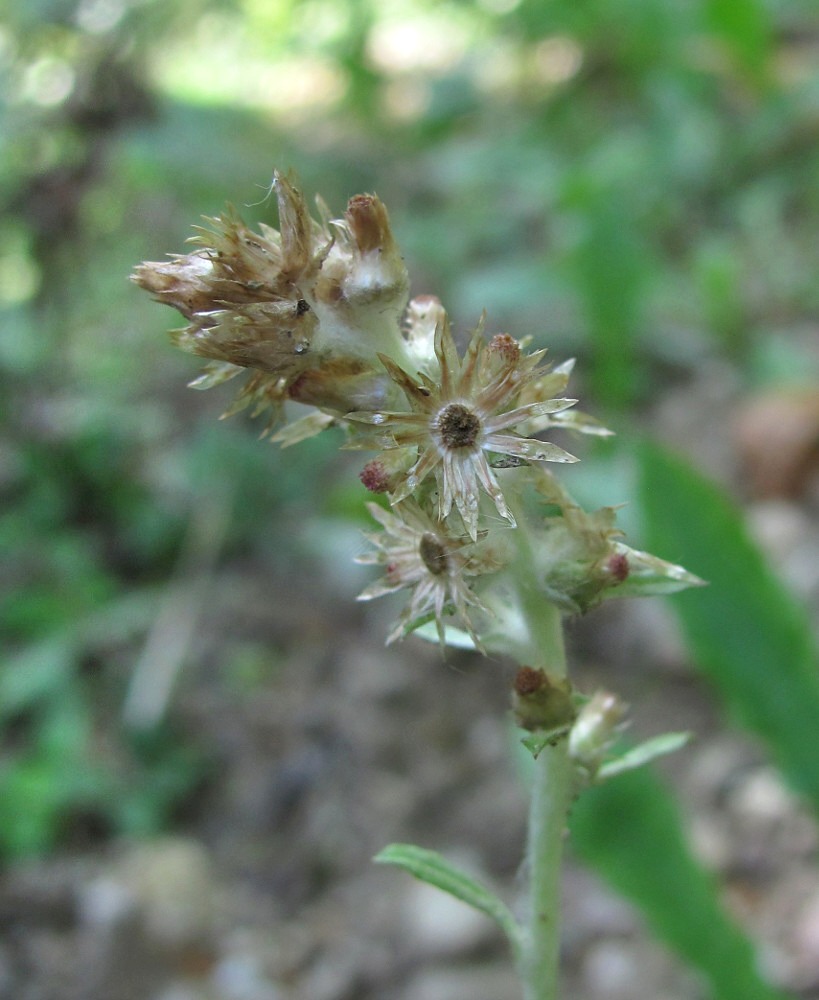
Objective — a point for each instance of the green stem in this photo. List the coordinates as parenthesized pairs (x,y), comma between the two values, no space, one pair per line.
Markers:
(550,796)
(534,635)
(547,821)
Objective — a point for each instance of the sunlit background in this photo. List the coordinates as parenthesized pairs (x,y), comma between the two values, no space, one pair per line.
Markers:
(634,184)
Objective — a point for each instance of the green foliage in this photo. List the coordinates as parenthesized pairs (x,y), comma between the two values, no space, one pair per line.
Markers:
(630,830)
(755,644)
(746,632)
(642,754)
(633,183)
(430,867)
(53,779)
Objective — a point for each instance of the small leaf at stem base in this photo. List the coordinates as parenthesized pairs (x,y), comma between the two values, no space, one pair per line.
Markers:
(430,867)
(537,741)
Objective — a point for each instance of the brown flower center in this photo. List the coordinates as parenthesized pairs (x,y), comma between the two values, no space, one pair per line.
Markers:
(458,426)
(433,555)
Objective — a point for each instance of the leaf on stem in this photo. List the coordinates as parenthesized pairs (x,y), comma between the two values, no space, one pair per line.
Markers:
(430,867)
(643,753)
(537,741)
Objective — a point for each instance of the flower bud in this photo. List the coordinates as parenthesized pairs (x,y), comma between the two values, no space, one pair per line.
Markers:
(364,273)
(182,282)
(272,337)
(503,352)
(369,224)
(617,566)
(308,310)
(342,384)
(384,473)
(540,702)
(582,561)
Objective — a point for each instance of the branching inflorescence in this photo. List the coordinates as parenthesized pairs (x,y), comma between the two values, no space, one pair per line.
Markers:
(317,313)
(487,544)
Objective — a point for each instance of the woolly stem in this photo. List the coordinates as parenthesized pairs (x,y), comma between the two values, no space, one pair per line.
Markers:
(547,818)
(550,796)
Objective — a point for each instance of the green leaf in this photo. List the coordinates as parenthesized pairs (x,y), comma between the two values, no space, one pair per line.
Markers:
(643,753)
(34,673)
(537,741)
(746,632)
(649,576)
(431,867)
(744,28)
(630,831)
(609,268)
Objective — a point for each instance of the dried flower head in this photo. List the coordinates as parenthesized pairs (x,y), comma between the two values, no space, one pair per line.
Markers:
(459,418)
(419,555)
(307,308)
(316,312)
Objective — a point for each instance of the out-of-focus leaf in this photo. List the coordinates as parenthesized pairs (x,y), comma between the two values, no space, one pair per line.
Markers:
(429,866)
(743,27)
(630,831)
(610,268)
(745,631)
(35,673)
(643,753)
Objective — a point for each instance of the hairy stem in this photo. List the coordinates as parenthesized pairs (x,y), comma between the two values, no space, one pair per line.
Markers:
(550,799)
(547,818)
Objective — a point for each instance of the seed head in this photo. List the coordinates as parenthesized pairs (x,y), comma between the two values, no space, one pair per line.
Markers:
(455,421)
(306,308)
(421,556)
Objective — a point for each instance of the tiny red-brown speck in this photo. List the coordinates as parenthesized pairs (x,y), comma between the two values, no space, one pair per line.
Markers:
(528,681)
(374,477)
(618,566)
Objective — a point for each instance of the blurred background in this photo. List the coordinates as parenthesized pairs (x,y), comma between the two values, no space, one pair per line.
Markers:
(202,739)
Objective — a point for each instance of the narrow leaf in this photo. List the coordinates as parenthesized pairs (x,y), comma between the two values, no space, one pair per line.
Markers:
(630,831)
(537,741)
(643,753)
(746,632)
(431,867)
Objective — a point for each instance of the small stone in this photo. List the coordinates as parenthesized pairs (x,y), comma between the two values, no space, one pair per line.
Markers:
(609,969)
(172,883)
(241,977)
(475,983)
(105,902)
(762,797)
(806,940)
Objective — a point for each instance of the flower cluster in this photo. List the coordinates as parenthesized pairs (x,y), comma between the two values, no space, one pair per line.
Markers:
(461,417)
(306,309)
(418,553)
(318,313)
